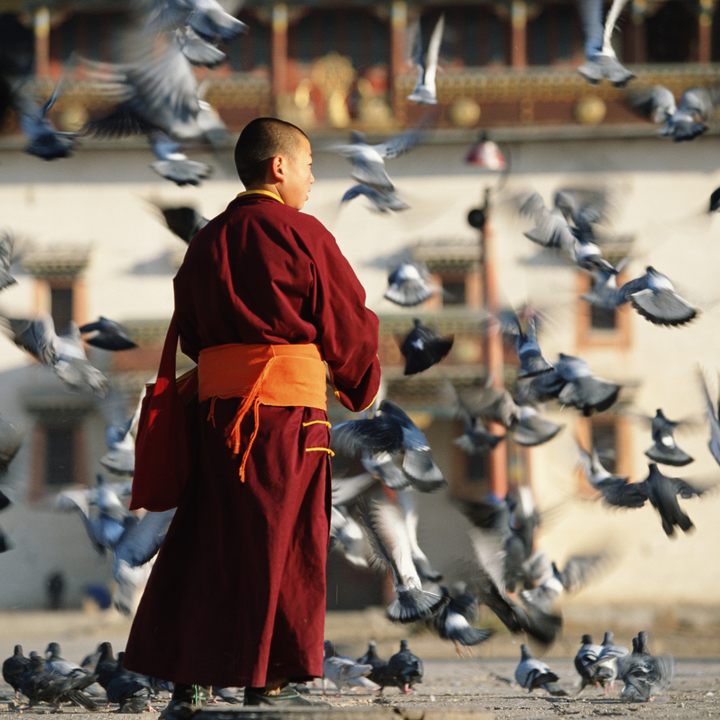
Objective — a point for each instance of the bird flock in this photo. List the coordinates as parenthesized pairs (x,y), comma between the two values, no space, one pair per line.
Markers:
(383,459)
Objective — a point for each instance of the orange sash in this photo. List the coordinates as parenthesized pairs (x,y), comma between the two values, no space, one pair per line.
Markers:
(280,375)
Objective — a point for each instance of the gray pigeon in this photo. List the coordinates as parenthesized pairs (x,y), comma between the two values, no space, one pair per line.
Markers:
(604,671)
(422,348)
(387,531)
(643,673)
(342,671)
(409,285)
(664,449)
(712,410)
(425,55)
(183,220)
(405,668)
(585,659)
(532,673)
(615,490)
(383,199)
(7,243)
(682,121)
(453,621)
(368,161)
(107,335)
(531,359)
(601,60)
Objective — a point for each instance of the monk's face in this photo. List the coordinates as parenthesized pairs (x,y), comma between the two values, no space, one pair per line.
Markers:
(298,175)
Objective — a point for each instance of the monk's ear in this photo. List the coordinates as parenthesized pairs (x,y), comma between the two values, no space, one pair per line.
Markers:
(277,168)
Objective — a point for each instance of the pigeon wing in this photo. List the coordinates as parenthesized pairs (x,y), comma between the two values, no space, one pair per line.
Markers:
(663,307)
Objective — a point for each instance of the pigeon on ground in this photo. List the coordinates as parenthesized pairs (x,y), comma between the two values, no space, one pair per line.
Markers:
(106,664)
(664,449)
(404,668)
(604,670)
(130,690)
(342,671)
(368,161)
(409,285)
(682,122)
(425,55)
(532,673)
(585,659)
(378,674)
(7,244)
(183,221)
(107,335)
(58,665)
(387,532)
(14,669)
(41,686)
(615,490)
(601,60)
(422,348)
(643,673)
(383,199)
(453,621)
(712,410)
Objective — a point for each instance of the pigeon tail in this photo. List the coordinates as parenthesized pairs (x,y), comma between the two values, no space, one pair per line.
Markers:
(414,604)
(669,456)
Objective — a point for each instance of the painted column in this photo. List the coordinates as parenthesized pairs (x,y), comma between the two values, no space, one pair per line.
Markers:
(398,39)
(41,28)
(493,345)
(705,17)
(638,49)
(279,51)
(518,38)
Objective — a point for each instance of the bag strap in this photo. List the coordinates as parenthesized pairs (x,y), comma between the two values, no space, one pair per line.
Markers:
(166,371)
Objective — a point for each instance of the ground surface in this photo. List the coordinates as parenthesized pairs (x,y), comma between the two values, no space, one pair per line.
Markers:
(477,686)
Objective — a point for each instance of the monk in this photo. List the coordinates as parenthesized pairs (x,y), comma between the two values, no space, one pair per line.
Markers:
(270,309)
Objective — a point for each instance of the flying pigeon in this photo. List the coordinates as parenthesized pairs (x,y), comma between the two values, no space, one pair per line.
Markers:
(383,199)
(712,410)
(387,532)
(653,296)
(453,621)
(422,348)
(107,335)
(682,122)
(529,355)
(6,255)
(664,449)
(368,161)
(601,60)
(532,673)
(425,56)
(409,285)
(183,221)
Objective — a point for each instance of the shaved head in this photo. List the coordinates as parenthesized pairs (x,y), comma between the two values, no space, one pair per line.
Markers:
(260,141)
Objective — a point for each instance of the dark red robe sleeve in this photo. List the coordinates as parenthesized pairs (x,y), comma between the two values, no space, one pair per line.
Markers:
(347,329)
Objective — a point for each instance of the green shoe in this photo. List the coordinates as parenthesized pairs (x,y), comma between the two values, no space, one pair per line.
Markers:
(287,697)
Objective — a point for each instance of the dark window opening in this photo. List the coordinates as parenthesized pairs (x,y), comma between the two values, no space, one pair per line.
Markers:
(603,318)
(604,438)
(59,455)
(61,308)
(454,291)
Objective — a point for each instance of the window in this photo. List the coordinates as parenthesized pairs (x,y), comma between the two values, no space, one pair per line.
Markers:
(61,307)
(553,37)
(454,290)
(597,326)
(611,435)
(60,462)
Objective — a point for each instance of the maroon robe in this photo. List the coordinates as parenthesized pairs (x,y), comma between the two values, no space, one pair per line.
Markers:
(237,593)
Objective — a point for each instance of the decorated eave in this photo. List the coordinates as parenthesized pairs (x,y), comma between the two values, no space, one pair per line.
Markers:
(448,255)
(60,261)
(53,403)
